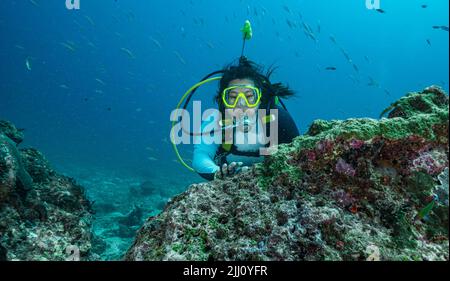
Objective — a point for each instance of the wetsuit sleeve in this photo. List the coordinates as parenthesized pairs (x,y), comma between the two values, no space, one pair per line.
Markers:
(287,128)
(204,153)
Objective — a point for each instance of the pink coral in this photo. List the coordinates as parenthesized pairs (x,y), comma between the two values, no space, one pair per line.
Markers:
(325,146)
(311,155)
(431,162)
(356,143)
(343,167)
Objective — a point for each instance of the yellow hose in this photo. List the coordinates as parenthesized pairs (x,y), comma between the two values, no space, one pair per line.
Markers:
(173,122)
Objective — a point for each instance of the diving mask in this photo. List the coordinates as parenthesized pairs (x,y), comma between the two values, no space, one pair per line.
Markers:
(232,95)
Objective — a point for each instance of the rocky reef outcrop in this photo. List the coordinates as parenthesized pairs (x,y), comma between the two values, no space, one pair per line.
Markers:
(357,189)
(44,215)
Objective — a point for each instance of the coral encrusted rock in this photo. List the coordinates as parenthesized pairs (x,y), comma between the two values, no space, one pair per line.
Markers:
(44,215)
(357,189)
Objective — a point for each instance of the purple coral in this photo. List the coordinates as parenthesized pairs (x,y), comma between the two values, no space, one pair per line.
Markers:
(342,198)
(356,143)
(325,146)
(343,167)
(311,156)
(431,162)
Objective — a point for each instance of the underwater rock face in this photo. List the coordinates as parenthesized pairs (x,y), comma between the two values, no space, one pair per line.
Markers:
(357,189)
(44,216)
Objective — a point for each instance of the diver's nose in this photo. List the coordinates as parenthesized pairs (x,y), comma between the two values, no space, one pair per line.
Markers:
(241,102)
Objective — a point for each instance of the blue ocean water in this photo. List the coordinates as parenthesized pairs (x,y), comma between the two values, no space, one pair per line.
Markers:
(93,88)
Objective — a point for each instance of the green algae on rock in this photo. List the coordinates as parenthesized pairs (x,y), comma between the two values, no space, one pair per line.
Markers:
(346,190)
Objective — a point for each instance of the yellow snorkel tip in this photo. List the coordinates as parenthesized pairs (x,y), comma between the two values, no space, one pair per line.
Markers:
(247,30)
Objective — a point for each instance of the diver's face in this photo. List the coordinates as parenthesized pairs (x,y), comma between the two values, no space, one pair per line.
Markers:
(247,92)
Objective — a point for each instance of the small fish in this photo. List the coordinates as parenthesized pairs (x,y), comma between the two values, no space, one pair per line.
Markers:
(428,42)
(423,213)
(152,159)
(89,20)
(128,52)
(355,67)
(372,82)
(67,46)
(306,27)
(318,27)
(264,11)
(353,78)
(100,81)
(424,6)
(289,23)
(330,68)
(333,39)
(286,8)
(130,16)
(346,55)
(28,64)
(387,92)
(307,34)
(443,27)
(436,27)
(156,42)
(34,3)
(210,45)
(98,91)
(19,47)
(64,86)
(78,24)
(92,45)
(367,59)
(138,109)
(180,58)
(380,11)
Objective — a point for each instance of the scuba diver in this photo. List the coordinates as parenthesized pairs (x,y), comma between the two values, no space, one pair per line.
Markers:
(248,96)
(243,87)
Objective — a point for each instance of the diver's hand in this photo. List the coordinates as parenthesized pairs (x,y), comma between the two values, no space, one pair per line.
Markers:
(229,170)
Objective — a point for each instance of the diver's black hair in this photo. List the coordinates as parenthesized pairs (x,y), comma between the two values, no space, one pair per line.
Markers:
(247,69)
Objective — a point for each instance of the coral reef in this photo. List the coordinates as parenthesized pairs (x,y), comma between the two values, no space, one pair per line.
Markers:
(44,215)
(346,190)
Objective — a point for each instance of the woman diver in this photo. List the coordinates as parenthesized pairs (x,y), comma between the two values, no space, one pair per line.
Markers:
(251,98)
(244,91)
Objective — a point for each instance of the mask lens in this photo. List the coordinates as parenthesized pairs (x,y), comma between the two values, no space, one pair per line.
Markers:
(246,94)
